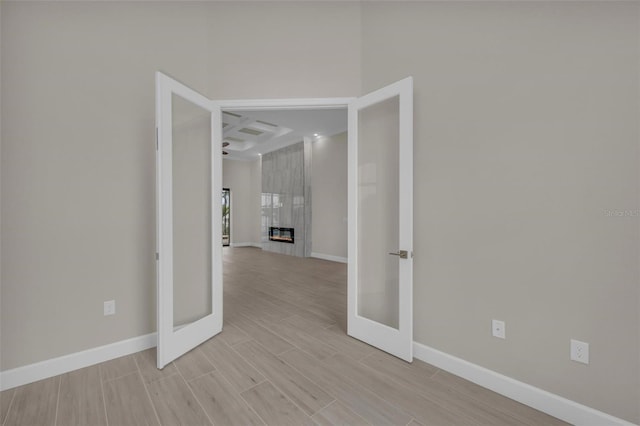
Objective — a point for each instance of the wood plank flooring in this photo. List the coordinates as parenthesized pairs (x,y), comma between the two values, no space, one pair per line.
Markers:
(283,358)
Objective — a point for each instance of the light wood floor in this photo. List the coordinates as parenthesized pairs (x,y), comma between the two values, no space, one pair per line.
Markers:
(283,359)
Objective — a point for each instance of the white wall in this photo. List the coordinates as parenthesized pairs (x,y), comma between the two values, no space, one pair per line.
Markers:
(526,133)
(239,177)
(329,196)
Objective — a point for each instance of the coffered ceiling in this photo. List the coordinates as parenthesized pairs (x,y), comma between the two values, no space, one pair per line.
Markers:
(246,134)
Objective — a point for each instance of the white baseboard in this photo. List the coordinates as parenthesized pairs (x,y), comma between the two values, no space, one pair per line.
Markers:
(547,402)
(258,245)
(52,367)
(539,399)
(329,257)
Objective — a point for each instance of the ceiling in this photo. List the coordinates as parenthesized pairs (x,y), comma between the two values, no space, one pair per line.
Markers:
(252,133)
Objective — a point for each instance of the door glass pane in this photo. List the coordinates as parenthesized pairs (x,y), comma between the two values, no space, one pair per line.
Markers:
(191,153)
(378,142)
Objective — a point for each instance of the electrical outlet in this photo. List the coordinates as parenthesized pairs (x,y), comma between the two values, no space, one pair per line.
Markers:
(498,329)
(579,351)
(109,307)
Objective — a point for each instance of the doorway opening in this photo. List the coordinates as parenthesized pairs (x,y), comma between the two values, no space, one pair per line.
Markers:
(383,118)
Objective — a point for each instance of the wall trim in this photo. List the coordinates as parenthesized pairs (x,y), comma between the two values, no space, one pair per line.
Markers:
(329,257)
(52,367)
(547,402)
(258,245)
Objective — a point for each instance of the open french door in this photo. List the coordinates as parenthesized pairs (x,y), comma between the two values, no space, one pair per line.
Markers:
(380,181)
(189,223)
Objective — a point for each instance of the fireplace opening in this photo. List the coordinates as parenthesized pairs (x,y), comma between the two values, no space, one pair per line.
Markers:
(283,235)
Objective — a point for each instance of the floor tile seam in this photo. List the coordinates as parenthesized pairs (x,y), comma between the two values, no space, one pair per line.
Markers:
(499,410)
(274,331)
(341,352)
(238,393)
(477,400)
(236,343)
(55,419)
(382,377)
(281,390)
(221,370)
(264,299)
(249,404)
(241,397)
(326,318)
(428,398)
(327,391)
(358,388)
(312,334)
(469,394)
(352,383)
(102,378)
(265,327)
(6,416)
(199,375)
(417,391)
(104,397)
(483,403)
(193,393)
(284,395)
(325,407)
(336,401)
(144,385)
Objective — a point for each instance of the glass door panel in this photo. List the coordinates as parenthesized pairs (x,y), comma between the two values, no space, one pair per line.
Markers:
(378,229)
(191,158)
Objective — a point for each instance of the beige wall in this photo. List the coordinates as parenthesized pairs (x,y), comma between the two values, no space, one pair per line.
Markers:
(239,177)
(526,132)
(78,155)
(329,196)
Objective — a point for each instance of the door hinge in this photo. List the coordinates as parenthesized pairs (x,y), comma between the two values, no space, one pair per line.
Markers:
(157,256)
(156,138)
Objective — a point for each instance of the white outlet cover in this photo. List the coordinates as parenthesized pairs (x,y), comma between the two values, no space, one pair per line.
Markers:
(579,351)
(109,307)
(498,329)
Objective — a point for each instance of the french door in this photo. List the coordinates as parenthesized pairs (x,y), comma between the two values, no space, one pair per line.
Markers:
(380,211)
(189,224)
(380,187)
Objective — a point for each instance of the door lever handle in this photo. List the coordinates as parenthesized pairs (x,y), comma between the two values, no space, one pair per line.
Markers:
(403,254)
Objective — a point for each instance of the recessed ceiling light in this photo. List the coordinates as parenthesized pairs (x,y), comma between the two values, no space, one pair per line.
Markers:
(316,135)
